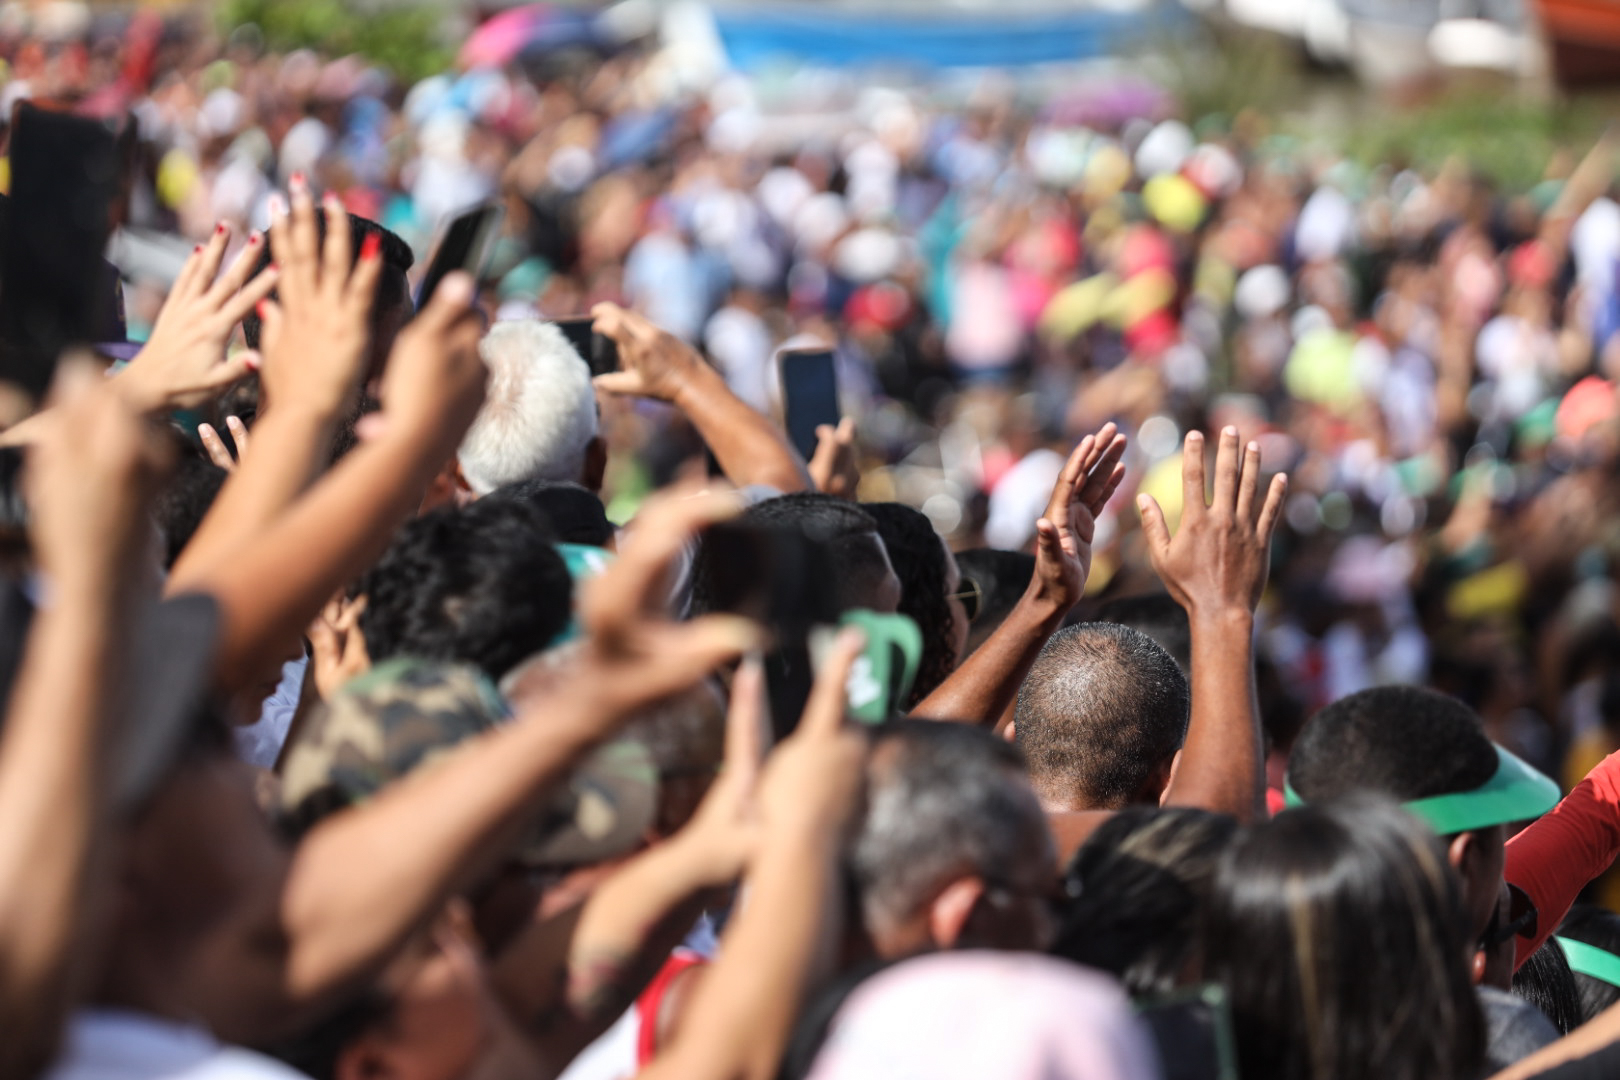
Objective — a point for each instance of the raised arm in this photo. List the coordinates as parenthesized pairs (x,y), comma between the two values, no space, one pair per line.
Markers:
(315,339)
(743,1011)
(635,918)
(92,469)
(274,583)
(461,816)
(751,450)
(986,685)
(1215,567)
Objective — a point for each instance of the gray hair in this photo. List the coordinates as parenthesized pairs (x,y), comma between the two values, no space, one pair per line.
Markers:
(944,800)
(539,415)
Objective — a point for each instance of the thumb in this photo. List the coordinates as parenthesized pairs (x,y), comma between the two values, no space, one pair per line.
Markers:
(627,383)
(234,369)
(1153,525)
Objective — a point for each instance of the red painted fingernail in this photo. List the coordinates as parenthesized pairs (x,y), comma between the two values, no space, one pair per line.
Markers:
(370,246)
(260,308)
(275,268)
(219,230)
(252,361)
(196,249)
(253,238)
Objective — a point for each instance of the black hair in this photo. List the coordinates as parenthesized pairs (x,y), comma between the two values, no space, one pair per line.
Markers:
(1102,709)
(942,800)
(396,253)
(1136,890)
(1157,616)
(184,501)
(314,1052)
(1600,928)
(479,584)
(917,553)
(1337,930)
(576,512)
(1405,741)
(1545,981)
(1002,578)
(848,533)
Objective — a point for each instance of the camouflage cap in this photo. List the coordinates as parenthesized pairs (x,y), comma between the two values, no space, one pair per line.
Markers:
(406,713)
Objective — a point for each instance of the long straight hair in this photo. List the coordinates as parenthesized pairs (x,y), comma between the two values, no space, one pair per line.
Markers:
(1339,934)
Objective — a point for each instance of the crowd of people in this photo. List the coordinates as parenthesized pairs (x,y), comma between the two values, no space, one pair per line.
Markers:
(1189,656)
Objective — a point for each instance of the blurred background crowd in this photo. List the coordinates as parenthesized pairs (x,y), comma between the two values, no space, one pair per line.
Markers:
(1003,263)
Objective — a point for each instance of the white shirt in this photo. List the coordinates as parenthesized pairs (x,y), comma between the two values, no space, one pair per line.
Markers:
(105,1044)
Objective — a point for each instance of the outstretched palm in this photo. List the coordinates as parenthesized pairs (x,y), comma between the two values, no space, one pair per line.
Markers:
(1063,536)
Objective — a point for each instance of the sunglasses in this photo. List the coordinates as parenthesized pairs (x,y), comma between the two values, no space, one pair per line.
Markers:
(1521,922)
(971,596)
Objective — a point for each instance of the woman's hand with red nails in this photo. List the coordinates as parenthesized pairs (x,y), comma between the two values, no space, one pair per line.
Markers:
(183,365)
(318,329)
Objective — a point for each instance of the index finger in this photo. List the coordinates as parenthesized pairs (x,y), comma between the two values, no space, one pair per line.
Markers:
(824,711)
(746,737)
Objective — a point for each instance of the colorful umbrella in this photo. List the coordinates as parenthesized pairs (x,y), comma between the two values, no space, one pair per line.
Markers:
(528,29)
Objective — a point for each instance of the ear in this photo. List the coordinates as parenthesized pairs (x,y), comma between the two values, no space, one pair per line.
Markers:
(368,1058)
(951,909)
(1461,851)
(1010,732)
(1476,967)
(596,459)
(1163,777)
(458,483)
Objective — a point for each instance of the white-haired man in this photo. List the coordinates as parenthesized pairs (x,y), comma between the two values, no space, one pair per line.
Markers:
(539,416)
(539,420)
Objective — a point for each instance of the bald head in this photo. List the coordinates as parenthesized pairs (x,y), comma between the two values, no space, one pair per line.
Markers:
(1100,718)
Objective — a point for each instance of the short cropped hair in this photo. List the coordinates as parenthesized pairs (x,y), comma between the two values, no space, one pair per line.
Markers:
(1103,708)
(850,534)
(539,414)
(576,512)
(950,800)
(1405,741)
(479,585)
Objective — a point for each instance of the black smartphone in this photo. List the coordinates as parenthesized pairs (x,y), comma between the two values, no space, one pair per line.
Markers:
(467,244)
(809,395)
(777,577)
(598,351)
(783,580)
(56,289)
(1193,1030)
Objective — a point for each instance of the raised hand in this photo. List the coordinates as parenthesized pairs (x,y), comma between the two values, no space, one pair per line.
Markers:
(218,452)
(722,834)
(316,333)
(1064,533)
(91,472)
(636,654)
(833,469)
(435,379)
(183,364)
(1220,555)
(337,648)
(811,783)
(654,362)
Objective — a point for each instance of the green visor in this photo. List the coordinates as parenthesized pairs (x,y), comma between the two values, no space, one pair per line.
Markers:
(1590,960)
(1516,792)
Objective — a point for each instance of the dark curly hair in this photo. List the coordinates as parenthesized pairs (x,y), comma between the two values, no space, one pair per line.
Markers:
(479,585)
(918,555)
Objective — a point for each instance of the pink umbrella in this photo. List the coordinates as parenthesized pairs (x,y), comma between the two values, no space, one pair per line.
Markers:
(519,30)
